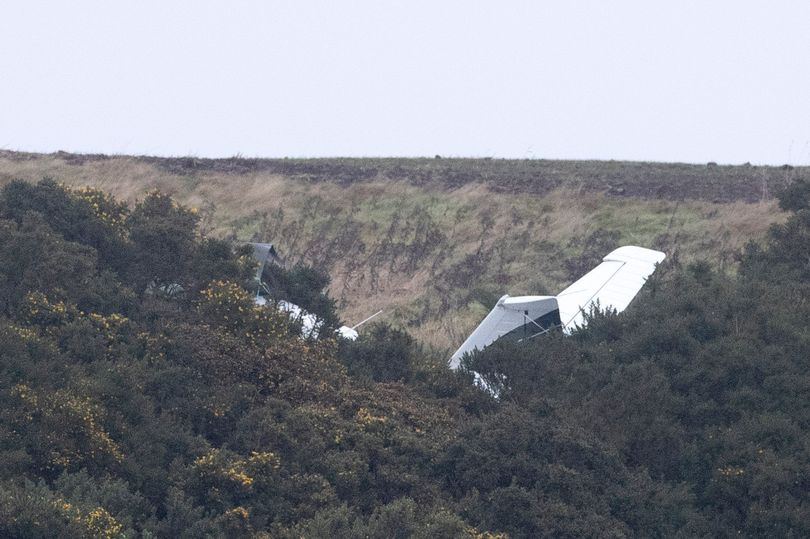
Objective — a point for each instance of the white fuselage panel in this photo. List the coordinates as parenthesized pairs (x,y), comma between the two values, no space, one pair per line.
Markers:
(611,285)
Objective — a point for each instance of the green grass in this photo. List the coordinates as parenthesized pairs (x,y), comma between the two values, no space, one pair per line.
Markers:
(524,219)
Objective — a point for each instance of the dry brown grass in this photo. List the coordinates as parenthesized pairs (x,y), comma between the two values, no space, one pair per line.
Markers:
(553,223)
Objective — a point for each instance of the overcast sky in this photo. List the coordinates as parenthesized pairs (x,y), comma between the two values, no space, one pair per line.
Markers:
(642,80)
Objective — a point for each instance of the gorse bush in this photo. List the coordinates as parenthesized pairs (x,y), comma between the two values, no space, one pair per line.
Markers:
(142,393)
(381,353)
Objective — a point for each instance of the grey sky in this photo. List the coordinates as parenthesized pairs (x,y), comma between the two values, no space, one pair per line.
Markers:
(644,80)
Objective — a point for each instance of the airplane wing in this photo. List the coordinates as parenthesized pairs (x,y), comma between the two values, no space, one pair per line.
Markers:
(524,316)
(613,283)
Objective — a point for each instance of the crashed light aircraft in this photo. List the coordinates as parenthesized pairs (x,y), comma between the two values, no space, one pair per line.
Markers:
(310,324)
(611,285)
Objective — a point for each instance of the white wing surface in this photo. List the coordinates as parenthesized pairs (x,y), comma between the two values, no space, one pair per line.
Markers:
(507,315)
(613,283)
(310,324)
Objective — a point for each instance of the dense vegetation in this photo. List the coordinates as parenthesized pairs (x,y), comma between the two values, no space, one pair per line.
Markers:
(434,242)
(143,394)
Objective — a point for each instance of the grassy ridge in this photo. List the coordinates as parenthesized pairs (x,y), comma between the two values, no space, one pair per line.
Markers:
(435,241)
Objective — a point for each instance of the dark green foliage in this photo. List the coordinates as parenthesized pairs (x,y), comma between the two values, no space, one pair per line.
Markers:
(796,196)
(91,218)
(34,257)
(304,286)
(381,353)
(535,473)
(786,258)
(702,383)
(143,395)
(163,243)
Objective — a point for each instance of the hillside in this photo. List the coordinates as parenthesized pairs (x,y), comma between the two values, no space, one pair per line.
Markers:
(435,241)
(144,394)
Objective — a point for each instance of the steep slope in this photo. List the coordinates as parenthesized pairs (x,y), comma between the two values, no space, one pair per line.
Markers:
(143,393)
(434,242)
